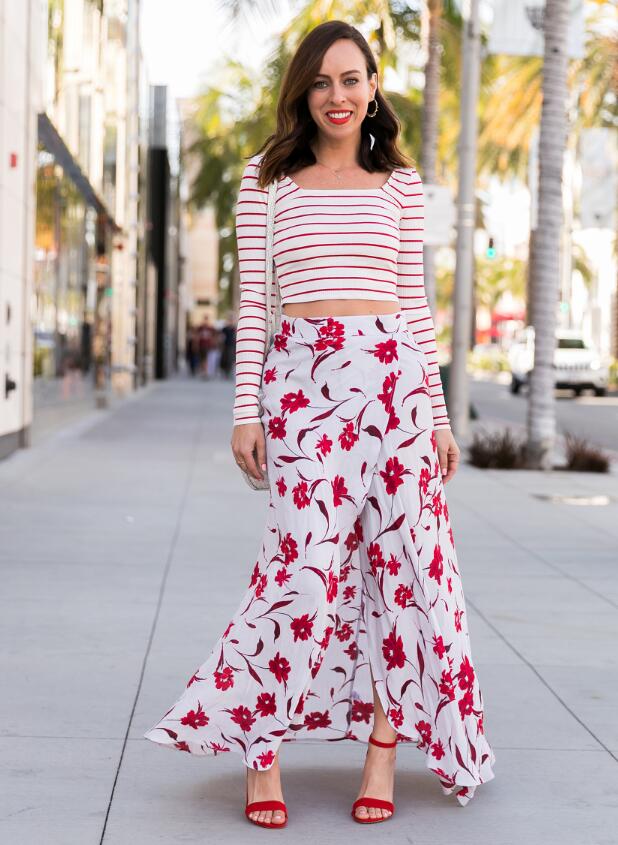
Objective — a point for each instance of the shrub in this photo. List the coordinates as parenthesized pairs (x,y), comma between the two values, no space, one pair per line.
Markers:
(497,450)
(582,456)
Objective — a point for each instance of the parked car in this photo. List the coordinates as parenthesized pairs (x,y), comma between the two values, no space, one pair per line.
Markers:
(577,365)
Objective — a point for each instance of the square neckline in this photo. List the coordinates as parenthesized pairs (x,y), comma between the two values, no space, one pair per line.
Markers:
(340,190)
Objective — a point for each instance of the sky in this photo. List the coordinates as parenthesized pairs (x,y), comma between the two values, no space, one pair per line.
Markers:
(182,40)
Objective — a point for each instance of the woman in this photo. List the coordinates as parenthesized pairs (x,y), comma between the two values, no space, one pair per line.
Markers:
(353,625)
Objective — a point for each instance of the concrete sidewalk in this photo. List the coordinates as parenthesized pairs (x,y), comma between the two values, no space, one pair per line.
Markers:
(122,556)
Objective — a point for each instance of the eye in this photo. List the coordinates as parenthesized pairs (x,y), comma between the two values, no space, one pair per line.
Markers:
(349,79)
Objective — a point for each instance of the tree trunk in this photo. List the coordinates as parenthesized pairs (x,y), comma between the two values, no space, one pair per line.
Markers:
(431,98)
(545,267)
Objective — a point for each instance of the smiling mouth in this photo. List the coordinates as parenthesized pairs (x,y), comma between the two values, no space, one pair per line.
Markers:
(339,116)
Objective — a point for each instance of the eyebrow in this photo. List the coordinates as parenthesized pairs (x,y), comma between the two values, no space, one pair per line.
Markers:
(343,74)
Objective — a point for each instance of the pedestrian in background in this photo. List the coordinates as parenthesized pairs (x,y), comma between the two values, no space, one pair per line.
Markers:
(192,349)
(354,624)
(228,345)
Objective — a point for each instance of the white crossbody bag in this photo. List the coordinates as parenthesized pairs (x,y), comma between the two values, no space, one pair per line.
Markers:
(271,330)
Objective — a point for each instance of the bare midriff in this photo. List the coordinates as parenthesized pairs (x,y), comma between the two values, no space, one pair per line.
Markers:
(339,307)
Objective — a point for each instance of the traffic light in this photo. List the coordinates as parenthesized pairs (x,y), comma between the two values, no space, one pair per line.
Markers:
(490,252)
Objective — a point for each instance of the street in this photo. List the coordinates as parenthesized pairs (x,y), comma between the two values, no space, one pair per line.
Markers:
(589,416)
(125,543)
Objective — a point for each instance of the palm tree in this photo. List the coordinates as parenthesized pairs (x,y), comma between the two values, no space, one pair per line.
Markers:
(545,258)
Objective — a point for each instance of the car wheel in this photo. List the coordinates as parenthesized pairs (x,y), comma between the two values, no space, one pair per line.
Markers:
(600,391)
(577,391)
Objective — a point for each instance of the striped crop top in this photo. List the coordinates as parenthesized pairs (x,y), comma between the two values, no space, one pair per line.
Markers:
(361,243)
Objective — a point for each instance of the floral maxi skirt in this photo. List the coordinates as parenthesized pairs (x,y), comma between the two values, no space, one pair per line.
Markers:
(356,577)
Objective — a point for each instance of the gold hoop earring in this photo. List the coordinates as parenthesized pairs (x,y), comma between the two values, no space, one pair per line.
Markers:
(375,111)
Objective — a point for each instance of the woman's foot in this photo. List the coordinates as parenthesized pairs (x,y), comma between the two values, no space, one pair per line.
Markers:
(378,779)
(265,786)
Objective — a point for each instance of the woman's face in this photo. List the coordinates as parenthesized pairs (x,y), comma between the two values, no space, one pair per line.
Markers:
(339,95)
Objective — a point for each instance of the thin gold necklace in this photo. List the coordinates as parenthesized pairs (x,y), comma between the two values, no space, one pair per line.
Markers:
(336,172)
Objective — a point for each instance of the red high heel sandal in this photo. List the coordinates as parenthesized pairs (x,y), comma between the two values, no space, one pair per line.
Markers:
(378,803)
(264,805)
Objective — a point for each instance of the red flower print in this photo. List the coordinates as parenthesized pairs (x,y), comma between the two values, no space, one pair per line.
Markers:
(424,728)
(424,479)
(317,720)
(243,717)
(466,674)
(403,595)
(270,375)
(434,444)
(436,567)
(280,667)
(344,633)
(217,747)
(351,651)
(458,614)
(280,341)
(300,705)
(225,679)
(227,630)
(438,646)
(261,586)
(293,401)
(324,444)
(280,482)
(348,436)
(289,547)
(195,718)
(302,627)
(385,352)
(299,494)
(447,687)
(465,704)
(376,560)
(182,746)
(331,590)
(396,715)
(286,328)
(339,490)
(344,572)
(437,750)
(265,704)
(392,474)
(362,711)
(388,388)
(445,511)
(393,420)
(449,584)
(326,638)
(282,576)
(479,723)
(392,649)
(276,428)
(351,542)
(266,758)
(437,504)
(255,575)
(332,334)
(450,536)
(393,565)
(349,593)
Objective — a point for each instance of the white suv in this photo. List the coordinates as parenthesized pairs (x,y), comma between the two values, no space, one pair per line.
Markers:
(577,365)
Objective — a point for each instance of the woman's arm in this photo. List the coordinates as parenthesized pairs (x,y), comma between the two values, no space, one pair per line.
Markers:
(251,329)
(411,288)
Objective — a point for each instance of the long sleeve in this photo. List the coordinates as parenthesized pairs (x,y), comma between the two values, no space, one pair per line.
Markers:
(251,328)
(411,290)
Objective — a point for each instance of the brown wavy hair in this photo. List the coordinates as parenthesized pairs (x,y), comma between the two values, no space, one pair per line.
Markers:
(288,148)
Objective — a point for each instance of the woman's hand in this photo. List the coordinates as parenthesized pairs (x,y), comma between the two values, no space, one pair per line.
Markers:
(448,453)
(247,441)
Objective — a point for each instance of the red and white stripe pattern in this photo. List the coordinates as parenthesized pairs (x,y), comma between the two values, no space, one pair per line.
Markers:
(331,244)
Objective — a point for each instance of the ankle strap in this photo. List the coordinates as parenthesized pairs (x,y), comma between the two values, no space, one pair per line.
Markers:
(382,744)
